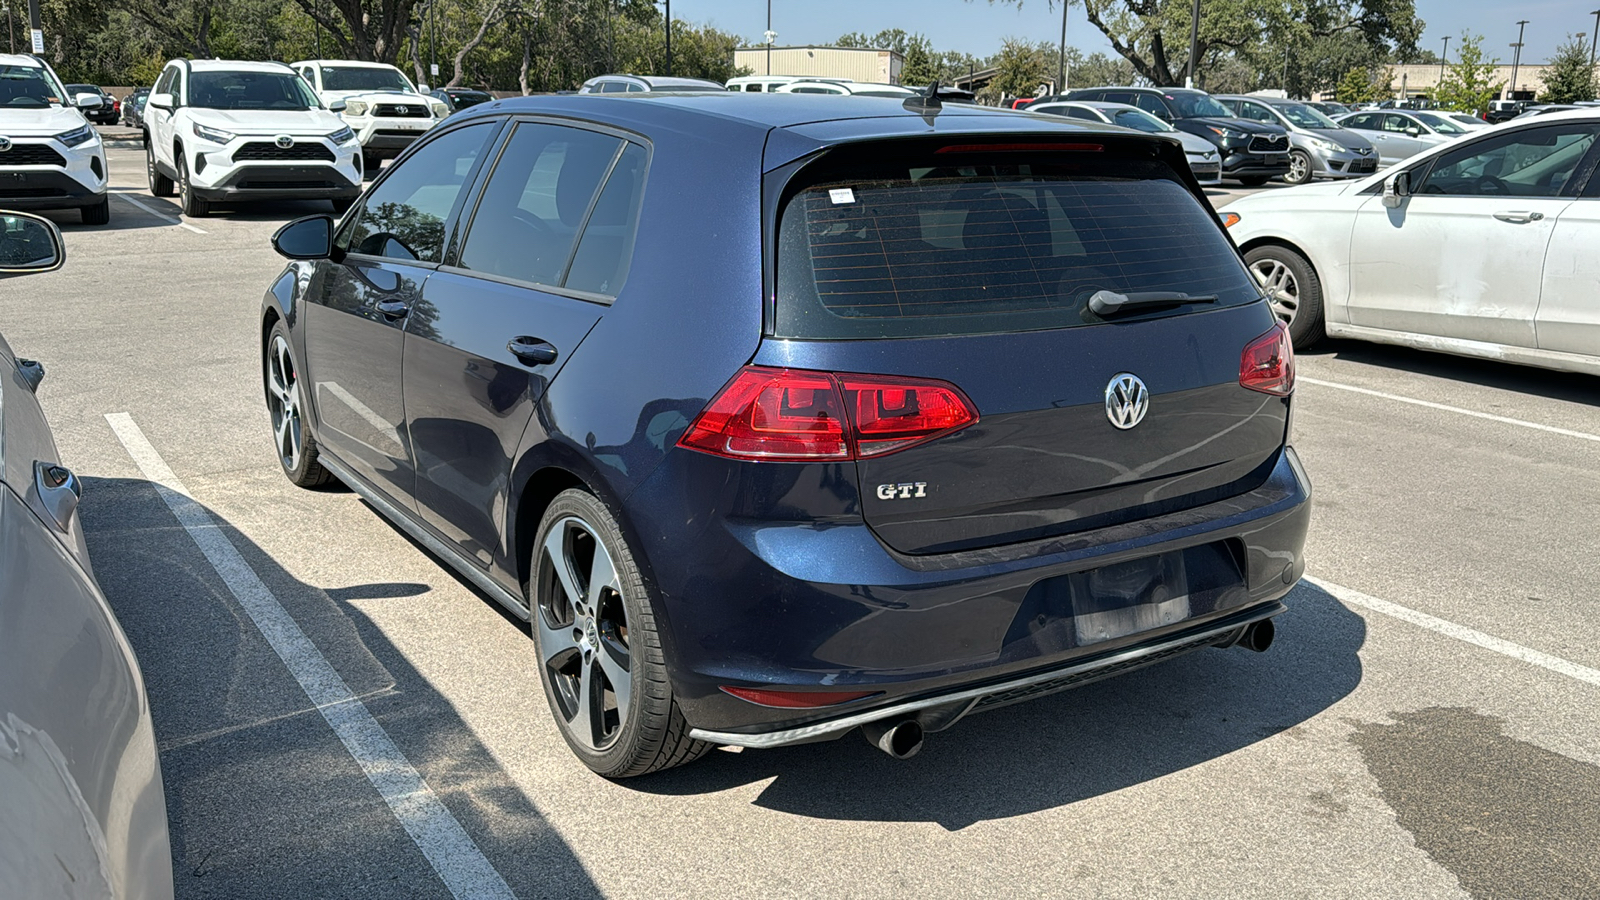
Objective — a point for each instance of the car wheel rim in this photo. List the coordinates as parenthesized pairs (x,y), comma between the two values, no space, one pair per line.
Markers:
(1280,286)
(583,634)
(283,402)
(1299,167)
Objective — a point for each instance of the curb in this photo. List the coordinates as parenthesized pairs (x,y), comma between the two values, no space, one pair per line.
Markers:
(130,144)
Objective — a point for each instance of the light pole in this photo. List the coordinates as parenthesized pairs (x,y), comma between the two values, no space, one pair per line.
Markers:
(1194,43)
(1594,37)
(1061,67)
(669,38)
(769,36)
(1444,60)
(1516,56)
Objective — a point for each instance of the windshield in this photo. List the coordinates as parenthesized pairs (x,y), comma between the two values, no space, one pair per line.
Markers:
(1440,124)
(1141,120)
(26,87)
(1191,105)
(464,99)
(250,90)
(364,78)
(1304,116)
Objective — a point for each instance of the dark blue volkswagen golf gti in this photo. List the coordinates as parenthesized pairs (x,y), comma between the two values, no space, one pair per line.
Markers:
(781,416)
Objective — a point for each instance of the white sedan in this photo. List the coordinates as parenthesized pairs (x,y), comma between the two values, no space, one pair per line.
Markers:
(1482,247)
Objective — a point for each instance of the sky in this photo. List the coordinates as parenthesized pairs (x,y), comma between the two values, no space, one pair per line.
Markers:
(977,27)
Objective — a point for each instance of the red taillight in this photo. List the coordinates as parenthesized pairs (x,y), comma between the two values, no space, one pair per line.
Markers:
(1267,363)
(796,699)
(1022,148)
(797,415)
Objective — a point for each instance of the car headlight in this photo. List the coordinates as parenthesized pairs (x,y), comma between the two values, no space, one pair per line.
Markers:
(1232,134)
(214,135)
(1325,146)
(342,136)
(355,107)
(439,109)
(76,136)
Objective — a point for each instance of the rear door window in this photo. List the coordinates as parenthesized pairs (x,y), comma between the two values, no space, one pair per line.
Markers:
(890,249)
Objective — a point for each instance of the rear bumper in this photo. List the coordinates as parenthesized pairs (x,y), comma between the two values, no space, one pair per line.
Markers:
(801,605)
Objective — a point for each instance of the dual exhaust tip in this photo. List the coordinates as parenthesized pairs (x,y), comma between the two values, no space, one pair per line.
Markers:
(902,738)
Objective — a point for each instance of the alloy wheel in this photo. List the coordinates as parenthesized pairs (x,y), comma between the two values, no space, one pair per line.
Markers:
(583,633)
(1280,286)
(283,403)
(1299,169)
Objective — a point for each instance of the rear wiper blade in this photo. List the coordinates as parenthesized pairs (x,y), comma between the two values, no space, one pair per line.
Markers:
(1110,303)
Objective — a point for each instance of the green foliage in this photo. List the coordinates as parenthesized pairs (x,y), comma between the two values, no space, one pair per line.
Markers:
(1097,69)
(1570,78)
(1466,86)
(1364,85)
(1023,67)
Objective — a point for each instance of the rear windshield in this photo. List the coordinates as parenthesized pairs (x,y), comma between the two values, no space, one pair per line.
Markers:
(914,251)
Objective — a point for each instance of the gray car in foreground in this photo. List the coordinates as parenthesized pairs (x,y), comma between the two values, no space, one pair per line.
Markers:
(1319,146)
(82,814)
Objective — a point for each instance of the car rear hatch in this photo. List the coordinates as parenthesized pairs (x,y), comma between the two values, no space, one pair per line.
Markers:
(975,264)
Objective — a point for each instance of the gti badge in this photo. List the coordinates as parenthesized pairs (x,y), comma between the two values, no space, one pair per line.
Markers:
(1127,400)
(903,491)
(284,141)
(5,143)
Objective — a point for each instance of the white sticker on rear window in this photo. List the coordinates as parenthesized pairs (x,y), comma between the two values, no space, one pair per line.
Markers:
(842,195)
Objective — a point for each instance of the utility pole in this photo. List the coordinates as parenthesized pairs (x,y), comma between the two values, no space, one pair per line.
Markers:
(433,43)
(1516,55)
(35,29)
(669,38)
(1194,44)
(769,37)
(1443,60)
(1594,37)
(1061,69)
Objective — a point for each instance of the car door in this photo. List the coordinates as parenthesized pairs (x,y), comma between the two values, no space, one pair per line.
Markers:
(1461,257)
(1568,319)
(545,252)
(359,305)
(1402,136)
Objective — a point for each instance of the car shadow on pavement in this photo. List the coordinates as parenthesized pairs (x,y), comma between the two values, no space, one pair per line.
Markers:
(263,799)
(1068,747)
(1571,387)
(123,218)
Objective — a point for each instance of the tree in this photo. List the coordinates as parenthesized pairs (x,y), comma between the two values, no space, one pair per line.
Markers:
(1466,86)
(1023,67)
(1570,78)
(1097,69)
(1363,85)
(1153,35)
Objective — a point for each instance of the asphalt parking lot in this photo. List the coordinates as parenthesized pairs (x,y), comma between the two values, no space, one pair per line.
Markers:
(1424,726)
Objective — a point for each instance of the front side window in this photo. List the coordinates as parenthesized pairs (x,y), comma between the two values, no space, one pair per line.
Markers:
(929,247)
(1399,124)
(1532,163)
(1255,112)
(250,90)
(1362,121)
(537,201)
(404,216)
(1142,121)
(1196,104)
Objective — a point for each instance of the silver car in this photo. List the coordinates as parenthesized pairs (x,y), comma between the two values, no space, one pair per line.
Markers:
(1204,158)
(82,812)
(1399,134)
(1320,148)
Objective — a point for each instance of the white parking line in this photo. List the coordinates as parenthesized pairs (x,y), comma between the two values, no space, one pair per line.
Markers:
(1565,432)
(160,215)
(1461,632)
(457,860)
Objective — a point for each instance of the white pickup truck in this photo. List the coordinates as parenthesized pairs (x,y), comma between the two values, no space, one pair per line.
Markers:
(382,107)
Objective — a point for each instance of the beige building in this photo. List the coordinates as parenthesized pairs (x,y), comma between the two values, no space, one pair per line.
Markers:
(1417,81)
(879,66)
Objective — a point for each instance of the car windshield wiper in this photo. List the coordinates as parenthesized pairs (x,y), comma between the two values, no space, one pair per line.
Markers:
(1110,303)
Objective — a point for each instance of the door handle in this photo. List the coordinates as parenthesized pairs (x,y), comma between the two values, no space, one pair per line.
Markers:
(1519,218)
(59,490)
(532,351)
(393,309)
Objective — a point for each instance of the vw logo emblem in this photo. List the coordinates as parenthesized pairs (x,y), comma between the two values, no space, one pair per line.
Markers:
(1127,400)
(5,143)
(284,141)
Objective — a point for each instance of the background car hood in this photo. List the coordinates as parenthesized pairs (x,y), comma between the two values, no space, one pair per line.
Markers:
(1344,137)
(37,122)
(268,121)
(1244,125)
(1194,143)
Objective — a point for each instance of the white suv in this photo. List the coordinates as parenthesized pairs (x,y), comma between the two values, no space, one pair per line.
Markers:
(381,105)
(227,131)
(50,156)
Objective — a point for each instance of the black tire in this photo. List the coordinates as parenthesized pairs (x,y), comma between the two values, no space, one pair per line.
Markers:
(370,165)
(341,205)
(193,206)
(160,185)
(1299,168)
(98,214)
(280,374)
(1271,263)
(650,734)
(1254,180)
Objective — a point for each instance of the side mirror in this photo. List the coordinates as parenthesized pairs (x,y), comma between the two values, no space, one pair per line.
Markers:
(308,238)
(337,106)
(1396,188)
(29,244)
(160,101)
(1414,131)
(87,100)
